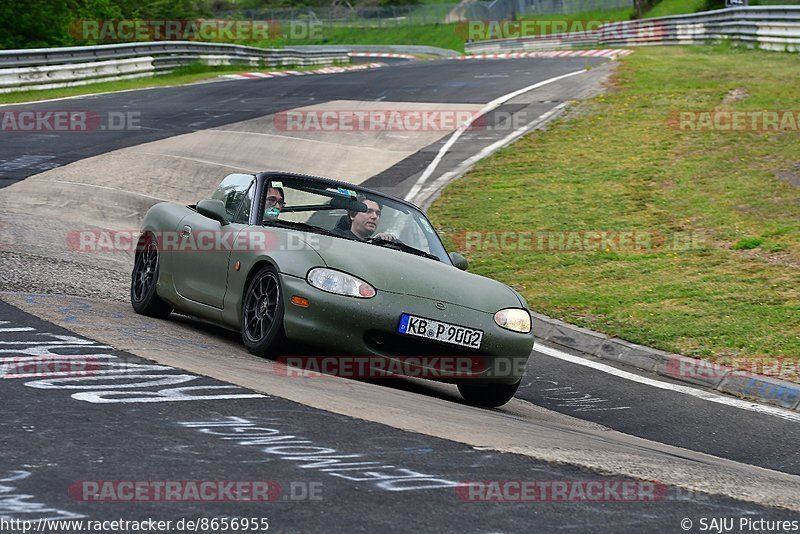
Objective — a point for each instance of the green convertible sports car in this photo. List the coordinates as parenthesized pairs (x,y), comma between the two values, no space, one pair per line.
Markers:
(287,258)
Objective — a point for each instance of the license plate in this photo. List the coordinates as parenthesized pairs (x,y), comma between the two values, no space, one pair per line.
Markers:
(439,331)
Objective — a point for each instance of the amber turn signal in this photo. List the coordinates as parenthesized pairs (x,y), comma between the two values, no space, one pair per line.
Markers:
(300,301)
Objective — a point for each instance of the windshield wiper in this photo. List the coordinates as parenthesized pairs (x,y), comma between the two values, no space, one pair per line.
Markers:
(399,245)
(298,226)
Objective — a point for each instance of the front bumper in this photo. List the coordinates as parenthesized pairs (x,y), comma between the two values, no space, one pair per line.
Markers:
(368,328)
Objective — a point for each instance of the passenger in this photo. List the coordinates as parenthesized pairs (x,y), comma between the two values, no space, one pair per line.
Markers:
(274,202)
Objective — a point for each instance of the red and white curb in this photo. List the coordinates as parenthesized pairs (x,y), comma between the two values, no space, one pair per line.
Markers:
(282,73)
(380,54)
(609,53)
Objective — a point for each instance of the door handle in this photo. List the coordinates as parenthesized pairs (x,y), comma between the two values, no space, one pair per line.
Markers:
(187,231)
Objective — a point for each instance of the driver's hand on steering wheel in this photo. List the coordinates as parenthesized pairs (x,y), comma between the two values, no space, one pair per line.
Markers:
(385,236)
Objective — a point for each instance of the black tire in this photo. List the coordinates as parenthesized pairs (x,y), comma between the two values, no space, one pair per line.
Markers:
(144,277)
(262,314)
(489,395)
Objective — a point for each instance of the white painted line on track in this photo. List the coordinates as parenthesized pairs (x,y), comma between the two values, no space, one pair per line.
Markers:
(287,136)
(700,394)
(497,102)
(204,161)
(465,165)
(14,328)
(98,186)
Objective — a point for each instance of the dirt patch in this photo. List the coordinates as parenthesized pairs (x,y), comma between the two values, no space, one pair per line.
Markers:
(735,95)
(790,177)
(775,258)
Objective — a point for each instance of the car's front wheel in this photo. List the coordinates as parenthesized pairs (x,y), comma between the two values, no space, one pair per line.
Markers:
(262,314)
(490,395)
(144,298)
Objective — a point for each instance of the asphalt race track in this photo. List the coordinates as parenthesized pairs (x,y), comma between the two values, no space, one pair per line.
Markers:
(173,111)
(388,479)
(178,401)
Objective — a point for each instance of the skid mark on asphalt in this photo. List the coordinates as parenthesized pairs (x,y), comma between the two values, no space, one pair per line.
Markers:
(35,162)
(694,392)
(569,397)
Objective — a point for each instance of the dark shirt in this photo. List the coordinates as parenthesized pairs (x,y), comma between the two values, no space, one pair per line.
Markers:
(346,232)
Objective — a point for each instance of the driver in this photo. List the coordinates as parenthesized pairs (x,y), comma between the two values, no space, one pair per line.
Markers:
(364,224)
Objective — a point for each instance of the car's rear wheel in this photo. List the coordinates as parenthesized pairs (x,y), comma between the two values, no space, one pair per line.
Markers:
(262,314)
(490,395)
(144,278)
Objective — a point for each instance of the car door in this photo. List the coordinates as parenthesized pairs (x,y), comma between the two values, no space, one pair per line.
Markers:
(203,252)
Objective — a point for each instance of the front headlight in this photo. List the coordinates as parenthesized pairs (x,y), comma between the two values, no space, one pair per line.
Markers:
(339,283)
(514,319)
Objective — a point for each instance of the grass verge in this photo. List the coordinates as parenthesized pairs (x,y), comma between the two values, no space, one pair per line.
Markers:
(447,36)
(585,20)
(451,36)
(542,25)
(720,276)
(676,7)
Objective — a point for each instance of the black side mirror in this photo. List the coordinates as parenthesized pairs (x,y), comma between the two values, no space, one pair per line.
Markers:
(459,261)
(213,209)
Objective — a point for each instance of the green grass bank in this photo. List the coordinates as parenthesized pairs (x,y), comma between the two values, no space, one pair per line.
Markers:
(702,255)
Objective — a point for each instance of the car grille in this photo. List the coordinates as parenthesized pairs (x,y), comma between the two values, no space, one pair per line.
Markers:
(399,345)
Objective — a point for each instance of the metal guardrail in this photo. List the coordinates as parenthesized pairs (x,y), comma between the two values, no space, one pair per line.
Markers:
(47,68)
(774,28)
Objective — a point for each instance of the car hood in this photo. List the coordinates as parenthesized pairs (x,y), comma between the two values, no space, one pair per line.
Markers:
(400,272)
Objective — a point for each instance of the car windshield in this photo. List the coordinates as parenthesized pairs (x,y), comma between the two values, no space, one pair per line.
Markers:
(351,213)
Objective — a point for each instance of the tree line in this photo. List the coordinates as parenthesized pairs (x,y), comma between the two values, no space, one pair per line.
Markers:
(48,23)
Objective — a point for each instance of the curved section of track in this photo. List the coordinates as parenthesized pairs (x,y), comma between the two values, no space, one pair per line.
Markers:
(188,137)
